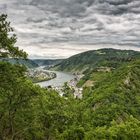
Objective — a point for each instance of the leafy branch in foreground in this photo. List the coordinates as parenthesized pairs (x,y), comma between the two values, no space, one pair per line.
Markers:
(8,40)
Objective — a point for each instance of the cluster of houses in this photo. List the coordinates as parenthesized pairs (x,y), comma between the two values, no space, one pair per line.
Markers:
(40,74)
(72,84)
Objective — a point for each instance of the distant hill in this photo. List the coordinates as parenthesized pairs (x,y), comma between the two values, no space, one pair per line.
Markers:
(92,59)
(42,62)
(29,63)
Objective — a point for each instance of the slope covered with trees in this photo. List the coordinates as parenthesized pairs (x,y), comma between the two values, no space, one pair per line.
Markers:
(92,59)
(26,62)
(43,62)
(108,110)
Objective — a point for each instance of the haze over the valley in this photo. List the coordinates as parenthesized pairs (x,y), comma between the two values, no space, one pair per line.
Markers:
(61,28)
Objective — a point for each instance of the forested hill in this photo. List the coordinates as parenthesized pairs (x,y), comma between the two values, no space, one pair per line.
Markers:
(109,110)
(112,105)
(32,63)
(41,62)
(96,58)
(28,62)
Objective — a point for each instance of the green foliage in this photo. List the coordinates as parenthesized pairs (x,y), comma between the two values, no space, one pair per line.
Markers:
(128,130)
(68,92)
(8,40)
(16,95)
(108,111)
(88,61)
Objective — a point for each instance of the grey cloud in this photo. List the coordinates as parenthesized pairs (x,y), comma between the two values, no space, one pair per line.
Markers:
(52,24)
(119,2)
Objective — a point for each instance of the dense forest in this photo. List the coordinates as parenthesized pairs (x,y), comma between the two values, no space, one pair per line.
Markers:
(109,109)
(87,61)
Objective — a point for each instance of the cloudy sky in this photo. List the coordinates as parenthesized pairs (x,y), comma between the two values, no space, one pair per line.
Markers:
(61,28)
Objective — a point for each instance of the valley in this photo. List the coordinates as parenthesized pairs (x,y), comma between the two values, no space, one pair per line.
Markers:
(94,99)
(76,74)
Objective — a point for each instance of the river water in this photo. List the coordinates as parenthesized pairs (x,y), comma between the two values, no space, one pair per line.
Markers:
(60,79)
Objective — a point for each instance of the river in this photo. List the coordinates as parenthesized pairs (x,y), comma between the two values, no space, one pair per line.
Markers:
(60,79)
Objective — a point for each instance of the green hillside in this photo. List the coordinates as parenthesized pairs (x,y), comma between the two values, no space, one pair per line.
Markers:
(112,105)
(109,110)
(31,63)
(42,62)
(92,59)
(28,63)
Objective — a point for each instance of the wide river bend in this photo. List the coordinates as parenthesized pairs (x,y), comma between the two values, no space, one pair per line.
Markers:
(60,79)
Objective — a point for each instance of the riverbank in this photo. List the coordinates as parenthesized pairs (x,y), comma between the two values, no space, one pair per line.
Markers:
(40,75)
(58,81)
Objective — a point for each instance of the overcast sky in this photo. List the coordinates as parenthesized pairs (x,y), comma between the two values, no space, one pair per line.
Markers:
(61,28)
